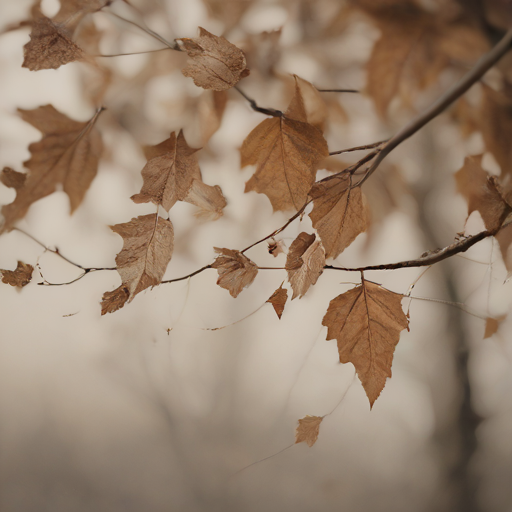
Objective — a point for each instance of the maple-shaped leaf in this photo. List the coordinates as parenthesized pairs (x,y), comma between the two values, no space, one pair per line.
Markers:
(12,179)
(304,263)
(207,198)
(214,63)
(19,277)
(278,300)
(415,46)
(172,167)
(308,429)
(148,242)
(338,214)
(482,193)
(50,46)
(495,122)
(114,300)
(286,151)
(67,155)
(366,321)
(236,271)
(492,325)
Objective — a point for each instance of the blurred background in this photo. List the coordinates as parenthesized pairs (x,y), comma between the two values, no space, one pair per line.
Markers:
(149,408)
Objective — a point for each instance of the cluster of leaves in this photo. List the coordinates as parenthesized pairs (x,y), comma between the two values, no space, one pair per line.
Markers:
(287,149)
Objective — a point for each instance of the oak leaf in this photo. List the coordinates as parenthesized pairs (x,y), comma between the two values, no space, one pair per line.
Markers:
(308,429)
(304,263)
(236,271)
(12,179)
(214,63)
(495,122)
(482,192)
(415,46)
(338,214)
(366,321)
(19,277)
(148,243)
(68,154)
(278,300)
(286,151)
(114,300)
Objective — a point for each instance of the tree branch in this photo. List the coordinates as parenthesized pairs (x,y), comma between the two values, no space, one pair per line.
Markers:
(473,76)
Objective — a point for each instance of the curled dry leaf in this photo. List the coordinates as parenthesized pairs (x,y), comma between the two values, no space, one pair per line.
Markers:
(366,322)
(482,192)
(276,247)
(19,277)
(278,300)
(214,63)
(304,263)
(12,179)
(172,167)
(172,174)
(208,199)
(286,151)
(236,271)
(338,214)
(68,154)
(308,429)
(114,300)
(50,46)
(148,243)
(492,325)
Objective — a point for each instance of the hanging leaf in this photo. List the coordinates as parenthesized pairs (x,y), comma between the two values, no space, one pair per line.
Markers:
(278,300)
(114,300)
(208,199)
(214,63)
(148,243)
(338,214)
(19,277)
(67,155)
(304,263)
(308,430)
(366,322)
(286,151)
(236,271)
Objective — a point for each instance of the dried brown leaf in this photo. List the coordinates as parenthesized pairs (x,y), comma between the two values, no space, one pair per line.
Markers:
(304,263)
(12,179)
(68,154)
(50,46)
(504,238)
(19,277)
(492,325)
(308,429)
(208,199)
(169,173)
(482,193)
(366,322)
(210,110)
(278,300)
(148,243)
(338,214)
(236,271)
(495,122)
(286,151)
(114,300)
(415,46)
(276,247)
(214,63)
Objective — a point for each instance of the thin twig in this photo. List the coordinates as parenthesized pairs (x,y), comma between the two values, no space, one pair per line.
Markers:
(473,76)
(339,90)
(359,148)
(131,53)
(267,111)
(198,271)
